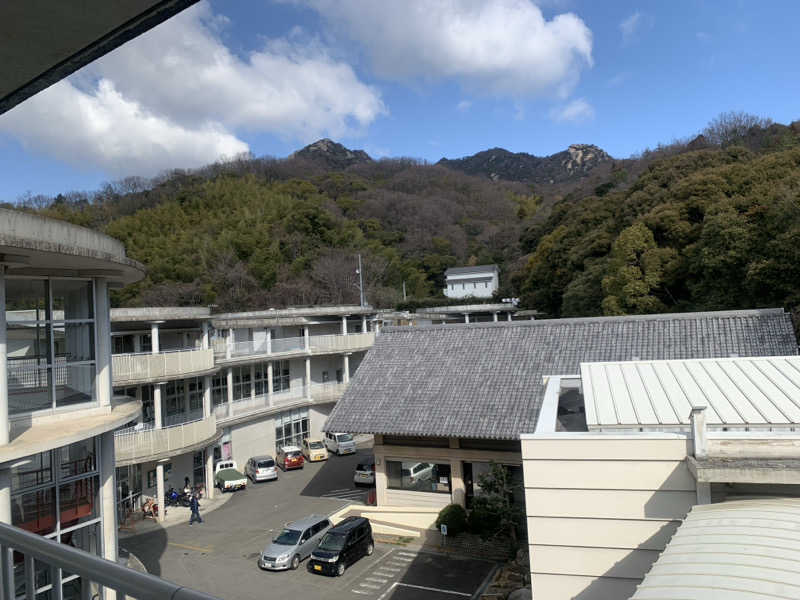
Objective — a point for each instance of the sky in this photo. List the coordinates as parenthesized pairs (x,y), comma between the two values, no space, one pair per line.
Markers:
(415,79)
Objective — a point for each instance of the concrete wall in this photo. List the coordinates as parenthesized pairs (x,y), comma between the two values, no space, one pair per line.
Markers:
(600,508)
(181,467)
(316,417)
(252,439)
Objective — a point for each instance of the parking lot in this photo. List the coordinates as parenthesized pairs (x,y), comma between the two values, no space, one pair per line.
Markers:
(219,556)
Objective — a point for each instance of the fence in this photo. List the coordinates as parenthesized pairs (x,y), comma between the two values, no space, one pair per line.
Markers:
(133,443)
(128,368)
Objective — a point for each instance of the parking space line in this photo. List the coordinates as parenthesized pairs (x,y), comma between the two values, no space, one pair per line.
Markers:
(371,586)
(431,589)
(376,579)
(188,547)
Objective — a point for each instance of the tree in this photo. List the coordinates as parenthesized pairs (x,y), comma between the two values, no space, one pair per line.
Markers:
(494,512)
(731,127)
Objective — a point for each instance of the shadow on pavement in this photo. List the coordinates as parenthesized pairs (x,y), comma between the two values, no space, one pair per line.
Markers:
(148,548)
(335,478)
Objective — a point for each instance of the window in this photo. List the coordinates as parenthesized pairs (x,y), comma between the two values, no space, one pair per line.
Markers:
(418,476)
(219,389)
(291,427)
(261,379)
(241,382)
(51,350)
(280,375)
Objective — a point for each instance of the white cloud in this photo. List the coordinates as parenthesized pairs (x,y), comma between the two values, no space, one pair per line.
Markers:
(177,97)
(463,106)
(630,26)
(577,111)
(502,48)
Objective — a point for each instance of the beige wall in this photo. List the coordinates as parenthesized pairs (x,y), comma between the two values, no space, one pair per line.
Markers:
(600,509)
(253,438)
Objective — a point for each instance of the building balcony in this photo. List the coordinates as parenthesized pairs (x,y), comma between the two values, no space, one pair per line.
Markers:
(132,369)
(296,346)
(136,444)
(319,393)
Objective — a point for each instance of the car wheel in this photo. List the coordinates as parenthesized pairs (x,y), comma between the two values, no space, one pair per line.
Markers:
(295,562)
(370,548)
(340,569)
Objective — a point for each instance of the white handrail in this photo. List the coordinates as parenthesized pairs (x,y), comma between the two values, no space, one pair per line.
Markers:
(128,368)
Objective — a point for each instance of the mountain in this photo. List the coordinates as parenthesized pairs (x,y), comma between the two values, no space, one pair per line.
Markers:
(332,155)
(574,163)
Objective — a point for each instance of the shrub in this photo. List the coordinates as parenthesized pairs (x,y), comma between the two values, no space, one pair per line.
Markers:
(455,517)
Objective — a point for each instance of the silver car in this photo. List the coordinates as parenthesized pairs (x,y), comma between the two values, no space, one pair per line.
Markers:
(295,543)
(261,468)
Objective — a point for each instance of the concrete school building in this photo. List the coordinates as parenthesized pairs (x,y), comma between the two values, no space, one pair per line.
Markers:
(58,411)
(232,385)
(480,281)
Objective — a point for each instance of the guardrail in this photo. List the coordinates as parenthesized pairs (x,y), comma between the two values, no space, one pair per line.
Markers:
(23,555)
(133,444)
(129,368)
(319,392)
(317,344)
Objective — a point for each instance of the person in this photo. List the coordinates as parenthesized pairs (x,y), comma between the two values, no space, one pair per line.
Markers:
(195,506)
(186,487)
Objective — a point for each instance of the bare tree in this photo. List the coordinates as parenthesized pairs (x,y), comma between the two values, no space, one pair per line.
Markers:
(733,126)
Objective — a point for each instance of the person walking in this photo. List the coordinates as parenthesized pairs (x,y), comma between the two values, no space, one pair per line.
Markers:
(195,506)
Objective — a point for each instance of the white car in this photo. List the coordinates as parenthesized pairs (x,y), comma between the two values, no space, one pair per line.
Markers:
(261,468)
(340,443)
(418,472)
(365,473)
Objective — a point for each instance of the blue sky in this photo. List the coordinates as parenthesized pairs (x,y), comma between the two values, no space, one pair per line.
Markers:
(416,79)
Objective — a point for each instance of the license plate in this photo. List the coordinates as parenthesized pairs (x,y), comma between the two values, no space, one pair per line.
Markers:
(318,567)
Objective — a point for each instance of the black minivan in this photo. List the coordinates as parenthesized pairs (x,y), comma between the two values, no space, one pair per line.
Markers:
(342,546)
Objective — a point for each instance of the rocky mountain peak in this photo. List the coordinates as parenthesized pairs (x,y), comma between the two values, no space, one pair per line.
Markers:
(332,154)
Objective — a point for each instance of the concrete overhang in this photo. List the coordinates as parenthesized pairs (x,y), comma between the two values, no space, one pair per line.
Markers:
(38,246)
(745,470)
(160,314)
(45,41)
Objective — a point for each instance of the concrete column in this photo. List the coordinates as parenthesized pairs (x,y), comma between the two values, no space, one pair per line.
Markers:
(187,403)
(269,341)
(308,378)
(494,316)
(4,431)
(154,343)
(102,318)
(253,381)
(377,327)
(703,493)
(137,342)
(363,323)
(229,343)
(458,490)
(306,338)
(508,314)
(210,472)
(162,508)
(5,496)
(205,335)
(108,495)
(157,405)
(698,420)
(206,396)
(344,325)
(229,376)
(380,480)
(140,416)
(346,368)
(270,385)
(466,317)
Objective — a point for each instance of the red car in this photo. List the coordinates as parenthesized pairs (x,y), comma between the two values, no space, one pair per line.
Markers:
(290,457)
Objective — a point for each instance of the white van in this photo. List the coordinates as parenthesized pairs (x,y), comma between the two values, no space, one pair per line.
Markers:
(340,443)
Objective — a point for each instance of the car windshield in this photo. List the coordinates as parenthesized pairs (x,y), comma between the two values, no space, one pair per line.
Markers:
(332,542)
(315,445)
(344,437)
(288,537)
(365,467)
(265,464)
(292,454)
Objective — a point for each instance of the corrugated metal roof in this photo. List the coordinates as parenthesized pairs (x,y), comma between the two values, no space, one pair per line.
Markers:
(484,380)
(736,391)
(477,269)
(744,549)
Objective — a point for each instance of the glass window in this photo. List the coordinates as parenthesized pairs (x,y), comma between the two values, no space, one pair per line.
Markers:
(280,375)
(78,501)
(418,476)
(72,298)
(32,471)
(26,299)
(74,384)
(35,511)
(77,459)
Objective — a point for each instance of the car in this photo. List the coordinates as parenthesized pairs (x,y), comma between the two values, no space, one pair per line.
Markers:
(340,443)
(261,468)
(294,543)
(342,546)
(418,472)
(227,476)
(314,450)
(290,457)
(365,473)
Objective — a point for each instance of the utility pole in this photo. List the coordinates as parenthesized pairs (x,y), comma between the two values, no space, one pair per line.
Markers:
(404,291)
(360,282)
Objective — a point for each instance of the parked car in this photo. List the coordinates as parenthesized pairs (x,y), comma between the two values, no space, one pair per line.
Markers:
(314,450)
(290,457)
(365,473)
(418,472)
(340,443)
(342,546)
(294,543)
(261,468)
(227,476)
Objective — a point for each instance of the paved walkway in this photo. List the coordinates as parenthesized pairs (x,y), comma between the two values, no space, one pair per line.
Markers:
(175,515)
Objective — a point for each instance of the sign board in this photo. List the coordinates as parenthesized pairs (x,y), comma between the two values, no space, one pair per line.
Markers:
(443,528)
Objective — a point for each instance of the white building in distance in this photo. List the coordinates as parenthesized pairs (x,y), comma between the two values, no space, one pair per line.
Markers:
(480,281)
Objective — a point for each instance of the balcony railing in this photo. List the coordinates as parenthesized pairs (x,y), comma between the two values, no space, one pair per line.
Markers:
(139,443)
(318,344)
(130,368)
(27,558)
(319,392)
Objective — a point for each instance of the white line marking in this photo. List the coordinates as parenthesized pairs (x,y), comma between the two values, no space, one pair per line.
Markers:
(430,589)
(401,553)
(387,592)
(404,559)
(376,579)
(370,586)
(361,592)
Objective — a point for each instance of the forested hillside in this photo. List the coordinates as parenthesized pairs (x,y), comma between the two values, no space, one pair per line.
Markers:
(711,223)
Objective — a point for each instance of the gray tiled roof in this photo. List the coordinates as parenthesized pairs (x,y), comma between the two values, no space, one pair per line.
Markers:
(484,380)
(469,270)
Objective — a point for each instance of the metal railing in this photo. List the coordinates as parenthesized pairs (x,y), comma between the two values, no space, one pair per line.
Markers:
(138,444)
(37,555)
(316,344)
(318,392)
(129,368)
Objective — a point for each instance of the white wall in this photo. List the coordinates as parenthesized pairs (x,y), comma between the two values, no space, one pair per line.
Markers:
(600,508)
(316,417)
(252,439)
